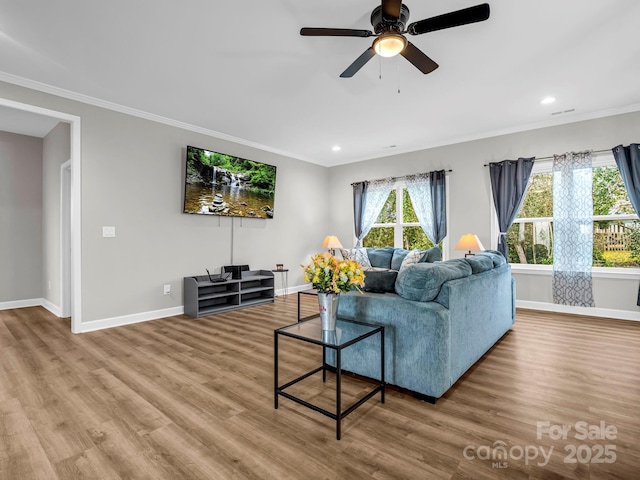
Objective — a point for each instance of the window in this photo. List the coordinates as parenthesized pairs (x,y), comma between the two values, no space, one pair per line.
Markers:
(616,229)
(389,232)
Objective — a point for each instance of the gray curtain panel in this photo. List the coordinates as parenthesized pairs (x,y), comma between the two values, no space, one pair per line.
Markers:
(358,200)
(509,180)
(628,161)
(437,182)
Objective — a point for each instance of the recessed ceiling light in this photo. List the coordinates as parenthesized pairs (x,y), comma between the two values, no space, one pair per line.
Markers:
(547,100)
(336,148)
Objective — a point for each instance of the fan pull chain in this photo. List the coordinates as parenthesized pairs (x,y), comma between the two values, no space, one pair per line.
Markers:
(379,67)
(398,72)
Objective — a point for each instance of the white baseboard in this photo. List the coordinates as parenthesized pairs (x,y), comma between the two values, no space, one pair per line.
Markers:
(156,314)
(592,312)
(55,309)
(30,302)
(130,319)
(294,289)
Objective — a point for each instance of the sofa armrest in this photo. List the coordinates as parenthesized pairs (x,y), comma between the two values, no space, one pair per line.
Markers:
(417,344)
(482,310)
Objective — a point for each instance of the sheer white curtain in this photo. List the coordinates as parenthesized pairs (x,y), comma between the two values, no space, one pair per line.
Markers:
(374,196)
(573,229)
(420,193)
(423,188)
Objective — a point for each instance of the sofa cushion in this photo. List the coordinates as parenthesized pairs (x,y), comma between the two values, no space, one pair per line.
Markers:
(379,280)
(422,281)
(480,263)
(357,255)
(414,256)
(497,258)
(434,254)
(398,257)
(380,257)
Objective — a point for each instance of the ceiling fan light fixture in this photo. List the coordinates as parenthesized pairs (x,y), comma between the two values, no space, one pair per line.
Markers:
(389,44)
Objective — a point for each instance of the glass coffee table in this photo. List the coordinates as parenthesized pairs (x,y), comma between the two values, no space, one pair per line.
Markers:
(347,333)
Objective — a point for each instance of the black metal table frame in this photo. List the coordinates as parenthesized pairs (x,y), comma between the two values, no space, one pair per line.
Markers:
(339,414)
(306,292)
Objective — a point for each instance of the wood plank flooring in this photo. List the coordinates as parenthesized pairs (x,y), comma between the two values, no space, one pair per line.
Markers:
(184,398)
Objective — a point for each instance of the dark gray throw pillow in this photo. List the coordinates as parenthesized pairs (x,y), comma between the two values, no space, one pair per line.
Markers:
(380,281)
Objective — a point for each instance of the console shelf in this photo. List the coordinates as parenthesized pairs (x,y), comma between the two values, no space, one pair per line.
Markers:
(203,297)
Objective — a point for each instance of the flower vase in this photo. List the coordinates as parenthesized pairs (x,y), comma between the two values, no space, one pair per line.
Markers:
(328,306)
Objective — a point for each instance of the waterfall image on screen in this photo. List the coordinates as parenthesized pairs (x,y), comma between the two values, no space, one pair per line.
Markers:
(220,184)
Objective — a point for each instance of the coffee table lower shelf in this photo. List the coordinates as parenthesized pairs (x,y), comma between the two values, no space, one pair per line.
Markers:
(310,331)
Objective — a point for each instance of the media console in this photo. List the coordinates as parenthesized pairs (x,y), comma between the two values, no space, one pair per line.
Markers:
(202,296)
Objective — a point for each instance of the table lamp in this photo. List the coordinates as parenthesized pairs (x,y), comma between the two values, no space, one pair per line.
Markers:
(469,242)
(331,242)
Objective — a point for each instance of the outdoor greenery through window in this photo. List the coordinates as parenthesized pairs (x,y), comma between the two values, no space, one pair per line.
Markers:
(389,232)
(616,229)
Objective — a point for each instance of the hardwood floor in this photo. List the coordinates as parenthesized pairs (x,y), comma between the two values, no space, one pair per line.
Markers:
(184,398)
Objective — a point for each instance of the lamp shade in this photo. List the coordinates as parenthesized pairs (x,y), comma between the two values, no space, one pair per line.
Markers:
(469,242)
(331,242)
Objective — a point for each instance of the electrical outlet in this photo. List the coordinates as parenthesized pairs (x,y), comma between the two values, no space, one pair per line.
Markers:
(167,289)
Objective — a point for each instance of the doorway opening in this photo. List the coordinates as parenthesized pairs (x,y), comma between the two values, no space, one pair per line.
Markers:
(70,214)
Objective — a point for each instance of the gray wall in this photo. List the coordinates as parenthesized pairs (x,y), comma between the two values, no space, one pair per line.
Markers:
(20,217)
(55,151)
(470,202)
(132,178)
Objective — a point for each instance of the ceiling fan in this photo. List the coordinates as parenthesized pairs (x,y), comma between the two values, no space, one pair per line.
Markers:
(389,20)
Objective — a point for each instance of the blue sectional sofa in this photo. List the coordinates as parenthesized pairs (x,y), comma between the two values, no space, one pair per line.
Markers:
(441,319)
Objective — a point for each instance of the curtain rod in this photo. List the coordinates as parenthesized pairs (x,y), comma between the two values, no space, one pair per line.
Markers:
(394,178)
(608,150)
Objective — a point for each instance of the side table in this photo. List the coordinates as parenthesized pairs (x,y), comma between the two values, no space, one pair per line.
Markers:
(347,333)
(284,280)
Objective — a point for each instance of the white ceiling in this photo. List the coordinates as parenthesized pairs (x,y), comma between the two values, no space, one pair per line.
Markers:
(241,68)
(25,123)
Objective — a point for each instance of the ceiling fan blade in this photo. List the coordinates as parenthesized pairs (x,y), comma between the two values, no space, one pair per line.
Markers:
(418,58)
(334,32)
(465,16)
(391,9)
(368,54)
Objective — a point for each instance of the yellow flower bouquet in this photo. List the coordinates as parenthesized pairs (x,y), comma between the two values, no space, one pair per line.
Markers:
(328,274)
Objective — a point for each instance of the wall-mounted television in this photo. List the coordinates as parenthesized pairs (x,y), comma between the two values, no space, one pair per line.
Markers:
(221,184)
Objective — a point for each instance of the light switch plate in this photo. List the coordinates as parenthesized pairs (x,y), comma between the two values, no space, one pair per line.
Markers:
(108,232)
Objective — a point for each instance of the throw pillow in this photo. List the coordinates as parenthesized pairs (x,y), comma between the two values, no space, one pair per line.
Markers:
(412,257)
(434,254)
(497,258)
(358,255)
(380,257)
(399,255)
(379,280)
(480,263)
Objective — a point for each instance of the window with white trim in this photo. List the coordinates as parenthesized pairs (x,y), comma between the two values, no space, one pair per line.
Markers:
(397,224)
(616,228)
